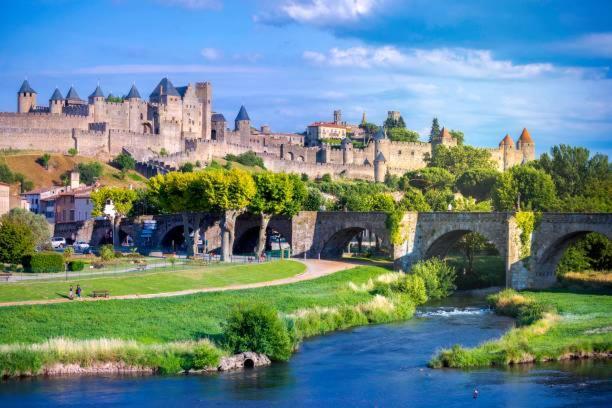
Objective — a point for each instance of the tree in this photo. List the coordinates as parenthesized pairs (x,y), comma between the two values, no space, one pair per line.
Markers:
(435,129)
(572,170)
(249,158)
(398,134)
(469,204)
(369,128)
(458,136)
(44,160)
(90,172)
(414,200)
(477,182)
(439,200)
(186,167)
(16,240)
(470,244)
(428,178)
(524,187)
(275,194)
(314,200)
(382,202)
(459,159)
(124,162)
(391,123)
(122,199)
(37,223)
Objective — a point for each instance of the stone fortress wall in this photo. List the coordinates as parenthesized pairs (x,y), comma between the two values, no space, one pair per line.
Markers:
(180,121)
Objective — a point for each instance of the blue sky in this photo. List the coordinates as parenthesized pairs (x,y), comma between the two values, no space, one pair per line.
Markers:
(485,67)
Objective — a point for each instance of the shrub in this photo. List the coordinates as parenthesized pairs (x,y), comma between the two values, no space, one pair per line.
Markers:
(90,172)
(76,265)
(68,252)
(205,355)
(439,278)
(44,262)
(107,252)
(414,287)
(72,151)
(257,327)
(16,240)
(124,162)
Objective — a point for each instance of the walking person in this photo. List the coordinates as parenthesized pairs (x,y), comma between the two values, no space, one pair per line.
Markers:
(71,293)
(78,292)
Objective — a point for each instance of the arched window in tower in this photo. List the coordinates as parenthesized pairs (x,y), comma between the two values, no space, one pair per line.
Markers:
(141,116)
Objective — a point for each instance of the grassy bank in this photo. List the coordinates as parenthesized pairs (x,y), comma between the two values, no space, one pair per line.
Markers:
(552,325)
(157,280)
(166,335)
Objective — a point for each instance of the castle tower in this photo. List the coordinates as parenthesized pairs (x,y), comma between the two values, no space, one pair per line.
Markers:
(56,103)
(218,125)
(73,98)
(507,149)
(444,138)
(526,145)
(97,100)
(394,115)
(242,123)
(204,94)
(347,151)
(380,168)
(338,117)
(136,117)
(363,119)
(26,98)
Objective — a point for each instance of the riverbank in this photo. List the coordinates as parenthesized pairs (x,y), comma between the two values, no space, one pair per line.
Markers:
(552,326)
(163,334)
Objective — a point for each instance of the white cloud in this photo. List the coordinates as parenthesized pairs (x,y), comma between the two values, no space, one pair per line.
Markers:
(596,44)
(451,62)
(320,12)
(194,4)
(211,54)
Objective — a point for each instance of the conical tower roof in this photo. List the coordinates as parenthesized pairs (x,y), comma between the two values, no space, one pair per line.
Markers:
(57,95)
(26,88)
(97,93)
(380,157)
(507,141)
(165,87)
(242,114)
(133,94)
(525,137)
(72,95)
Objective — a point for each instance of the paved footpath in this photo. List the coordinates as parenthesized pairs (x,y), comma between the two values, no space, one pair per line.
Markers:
(314,269)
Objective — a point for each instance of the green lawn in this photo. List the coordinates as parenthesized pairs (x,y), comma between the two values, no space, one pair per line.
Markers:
(167,279)
(175,318)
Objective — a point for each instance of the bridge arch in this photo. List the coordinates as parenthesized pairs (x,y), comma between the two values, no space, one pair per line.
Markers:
(440,243)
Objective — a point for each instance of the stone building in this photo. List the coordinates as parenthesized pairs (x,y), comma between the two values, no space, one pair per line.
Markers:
(181,123)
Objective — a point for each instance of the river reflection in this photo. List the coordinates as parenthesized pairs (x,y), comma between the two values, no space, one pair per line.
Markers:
(368,366)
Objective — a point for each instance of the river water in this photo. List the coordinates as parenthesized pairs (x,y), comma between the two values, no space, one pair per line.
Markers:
(381,365)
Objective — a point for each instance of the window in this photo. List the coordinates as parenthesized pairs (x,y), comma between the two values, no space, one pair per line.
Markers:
(71,215)
(71,199)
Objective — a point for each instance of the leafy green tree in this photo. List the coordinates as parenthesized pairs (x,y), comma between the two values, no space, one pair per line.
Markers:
(369,128)
(186,167)
(524,187)
(469,204)
(414,200)
(572,170)
(428,178)
(37,223)
(439,200)
(459,159)
(124,162)
(44,160)
(16,240)
(276,194)
(8,177)
(435,129)
(458,136)
(470,244)
(122,199)
(382,202)
(477,183)
(90,172)
(398,134)
(592,252)
(314,200)
(249,158)
(391,123)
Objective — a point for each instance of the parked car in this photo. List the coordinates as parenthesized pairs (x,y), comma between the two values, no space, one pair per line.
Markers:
(81,246)
(58,242)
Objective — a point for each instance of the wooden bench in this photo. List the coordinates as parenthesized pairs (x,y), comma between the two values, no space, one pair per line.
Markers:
(99,293)
(6,275)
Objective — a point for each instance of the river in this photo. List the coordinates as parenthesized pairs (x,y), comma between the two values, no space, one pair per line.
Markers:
(381,365)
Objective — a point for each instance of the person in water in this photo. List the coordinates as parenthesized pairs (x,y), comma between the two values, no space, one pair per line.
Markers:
(475,394)
(78,291)
(71,293)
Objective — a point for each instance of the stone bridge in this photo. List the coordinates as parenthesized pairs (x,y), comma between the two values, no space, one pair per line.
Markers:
(423,235)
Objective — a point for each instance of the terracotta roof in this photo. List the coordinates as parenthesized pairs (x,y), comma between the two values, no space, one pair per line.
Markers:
(507,141)
(444,134)
(327,124)
(525,137)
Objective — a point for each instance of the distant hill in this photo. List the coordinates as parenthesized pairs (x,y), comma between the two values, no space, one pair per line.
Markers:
(26,164)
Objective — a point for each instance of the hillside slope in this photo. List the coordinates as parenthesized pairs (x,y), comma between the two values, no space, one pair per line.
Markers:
(26,163)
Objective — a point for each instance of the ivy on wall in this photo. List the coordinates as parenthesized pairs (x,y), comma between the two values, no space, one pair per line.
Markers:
(393,224)
(527,222)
